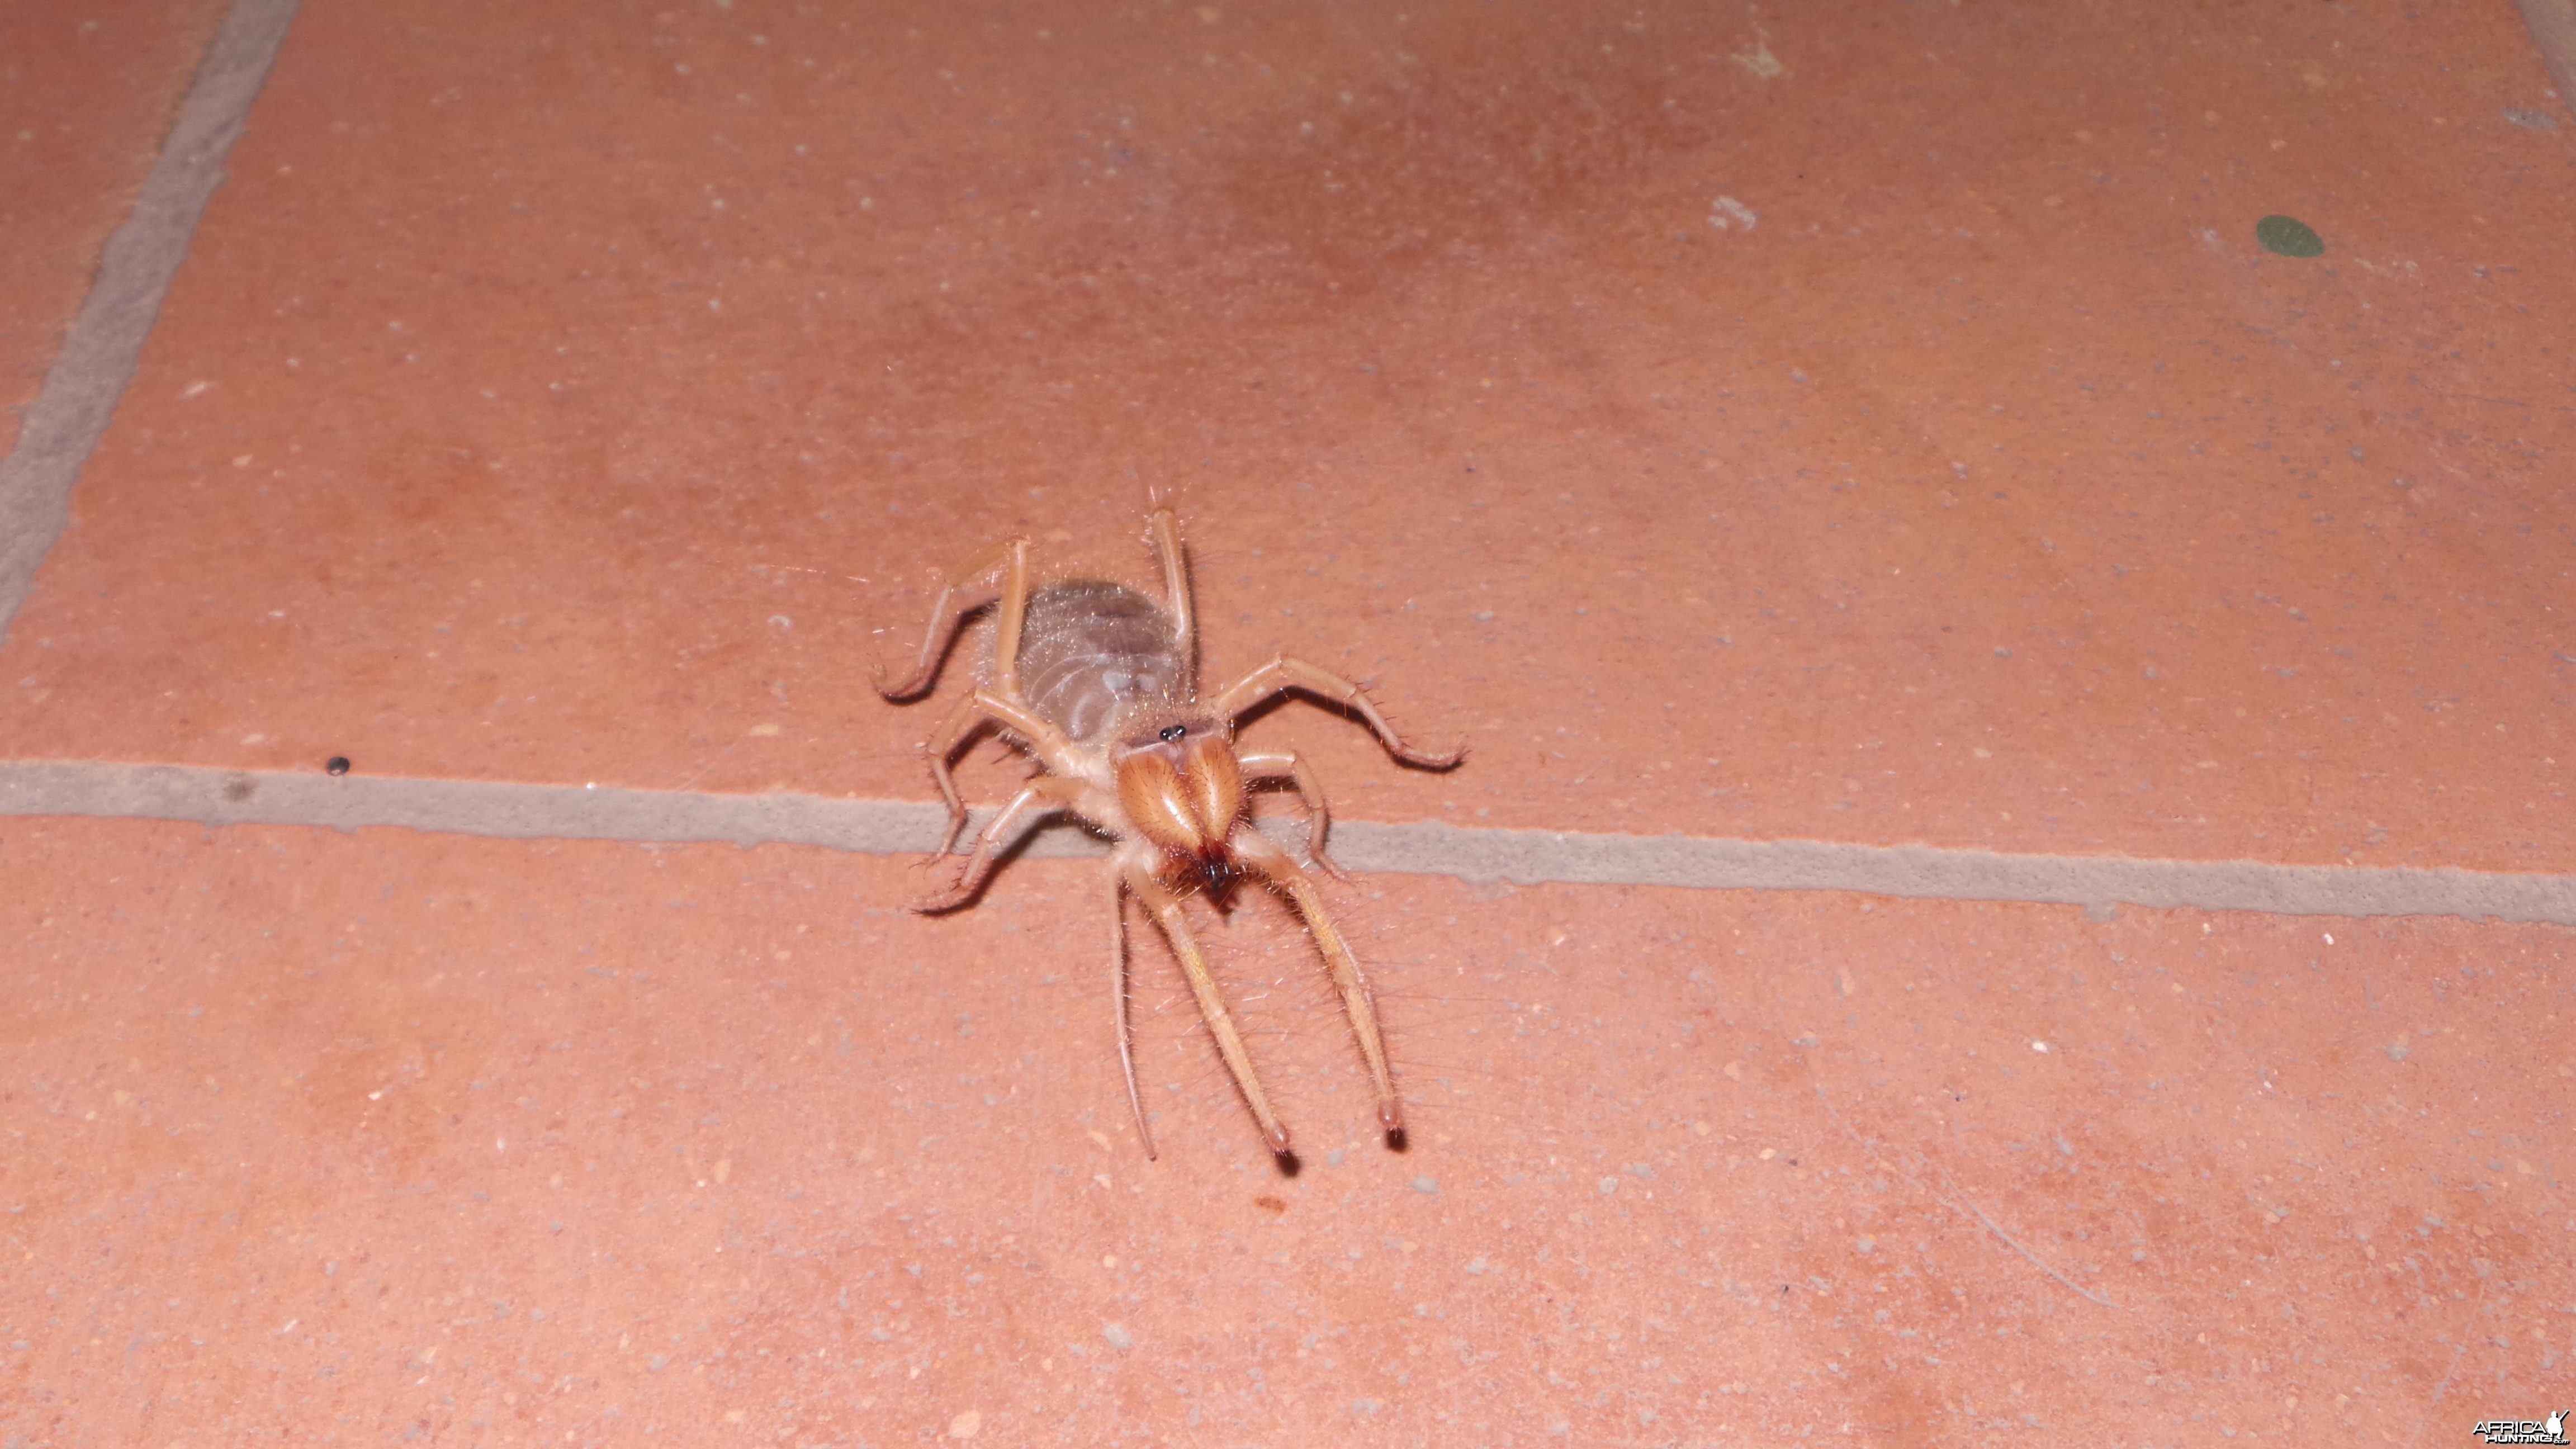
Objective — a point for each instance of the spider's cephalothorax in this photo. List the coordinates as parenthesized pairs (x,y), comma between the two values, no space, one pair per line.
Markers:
(1098,683)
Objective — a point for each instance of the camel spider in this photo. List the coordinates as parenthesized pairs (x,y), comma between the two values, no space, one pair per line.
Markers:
(1098,684)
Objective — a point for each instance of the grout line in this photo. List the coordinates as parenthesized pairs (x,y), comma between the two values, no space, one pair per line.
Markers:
(1524,857)
(2553,31)
(105,341)
(104,344)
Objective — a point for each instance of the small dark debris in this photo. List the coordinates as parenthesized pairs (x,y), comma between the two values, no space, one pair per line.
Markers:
(2289,237)
(337,764)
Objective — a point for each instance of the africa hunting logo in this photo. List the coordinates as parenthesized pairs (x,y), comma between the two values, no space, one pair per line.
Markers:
(2552,1430)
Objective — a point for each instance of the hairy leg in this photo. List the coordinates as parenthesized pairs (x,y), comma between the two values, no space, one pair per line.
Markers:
(1166,534)
(1136,863)
(1118,989)
(972,712)
(948,613)
(1042,795)
(1283,674)
(1284,764)
(1273,864)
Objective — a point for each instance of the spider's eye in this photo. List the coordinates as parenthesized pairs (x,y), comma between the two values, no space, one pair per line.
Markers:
(1174,732)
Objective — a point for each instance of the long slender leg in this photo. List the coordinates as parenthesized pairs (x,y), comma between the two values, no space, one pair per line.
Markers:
(1310,791)
(1044,740)
(1284,673)
(1274,864)
(1176,597)
(1135,864)
(953,731)
(1006,629)
(1047,792)
(946,615)
(1118,988)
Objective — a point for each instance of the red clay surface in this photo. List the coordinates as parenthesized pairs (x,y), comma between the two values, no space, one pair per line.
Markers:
(563,370)
(581,1142)
(570,394)
(86,94)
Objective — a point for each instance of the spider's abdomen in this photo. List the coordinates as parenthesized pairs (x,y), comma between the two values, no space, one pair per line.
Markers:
(1091,652)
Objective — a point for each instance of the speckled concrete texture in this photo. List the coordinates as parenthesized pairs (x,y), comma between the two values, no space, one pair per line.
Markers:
(86,95)
(1865,425)
(571,393)
(391,1137)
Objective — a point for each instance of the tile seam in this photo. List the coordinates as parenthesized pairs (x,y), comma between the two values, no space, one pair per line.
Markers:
(217,797)
(2553,32)
(104,344)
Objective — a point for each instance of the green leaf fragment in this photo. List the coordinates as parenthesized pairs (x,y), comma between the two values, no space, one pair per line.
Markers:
(2289,237)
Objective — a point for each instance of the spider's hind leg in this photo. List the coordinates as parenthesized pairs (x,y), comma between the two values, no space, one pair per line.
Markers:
(1042,795)
(985,706)
(1166,534)
(948,613)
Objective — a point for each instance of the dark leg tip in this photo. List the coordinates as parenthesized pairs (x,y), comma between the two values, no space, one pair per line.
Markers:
(1396,1141)
(1288,1162)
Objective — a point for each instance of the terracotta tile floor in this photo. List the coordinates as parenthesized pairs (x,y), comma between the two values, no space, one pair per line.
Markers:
(1872,424)
(85,99)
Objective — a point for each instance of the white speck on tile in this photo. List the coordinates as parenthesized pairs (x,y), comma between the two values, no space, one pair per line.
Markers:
(1759,60)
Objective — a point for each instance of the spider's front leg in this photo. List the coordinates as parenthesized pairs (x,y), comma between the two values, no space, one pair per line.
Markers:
(1273,864)
(1118,989)
(1135,862)
(1285,765)
(1283,674)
